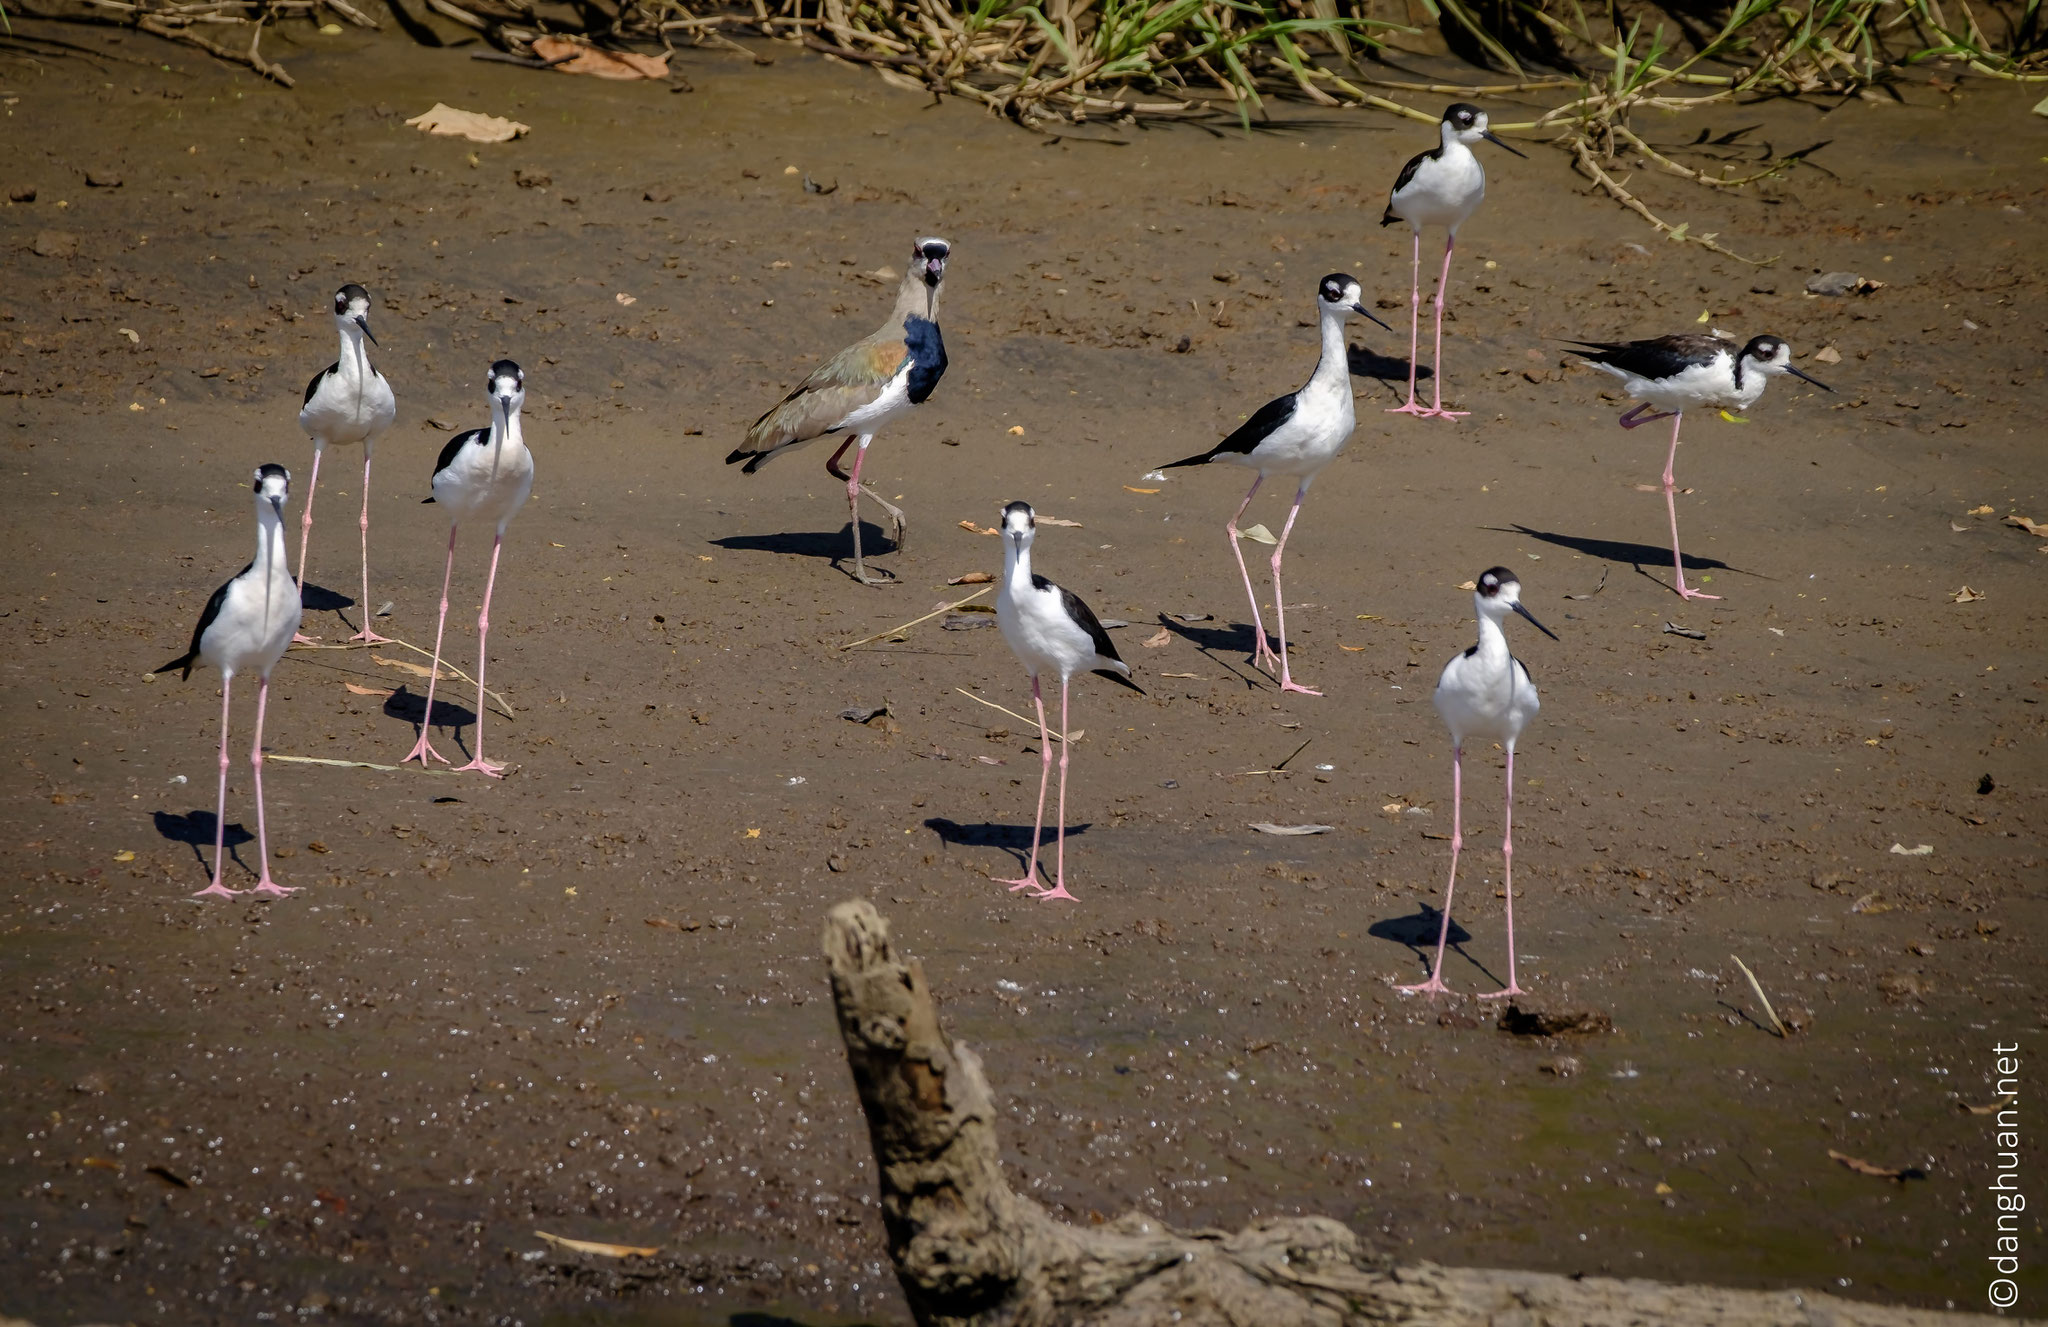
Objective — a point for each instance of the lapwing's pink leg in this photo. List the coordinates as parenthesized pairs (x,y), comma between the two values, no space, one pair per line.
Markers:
(1671,507)
(1287,683)
(366,635)
(305,535)
(1436,377)
(1030,877)
(423,750)
(1435,984)
(220,816)
(265,886)
(853,492)
(1414,329)
(483,654)
(1507,869)
(1263,651)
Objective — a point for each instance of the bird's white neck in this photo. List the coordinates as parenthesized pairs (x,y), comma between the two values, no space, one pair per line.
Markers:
(354,360)
(270,539)
(1335,365)
(1016,564)
(505,432)
(1493,642)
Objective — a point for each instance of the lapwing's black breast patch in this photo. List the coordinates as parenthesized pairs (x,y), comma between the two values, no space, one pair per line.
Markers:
(927,351)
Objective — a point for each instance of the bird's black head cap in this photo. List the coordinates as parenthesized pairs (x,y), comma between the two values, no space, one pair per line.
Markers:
(348,295)
(1334,288)
(271,471)
(1494,579)
(505,368)
(1462,114)
(1022,511)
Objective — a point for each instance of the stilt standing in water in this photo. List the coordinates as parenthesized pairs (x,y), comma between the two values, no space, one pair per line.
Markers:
(1486,694)
(347,402)
(1670,373)
(1297,434)
(1440,187)
(1050,630)
(246,627)
(482,475)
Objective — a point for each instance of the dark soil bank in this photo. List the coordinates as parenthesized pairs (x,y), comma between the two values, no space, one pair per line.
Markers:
(587,999)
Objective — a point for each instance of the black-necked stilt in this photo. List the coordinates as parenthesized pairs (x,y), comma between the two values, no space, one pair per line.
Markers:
(1485,694)
(1671,373)
(1441,187)
(1051,631)
(347,402)
(482,475)
(1296,434)
(247,626)
(864,388)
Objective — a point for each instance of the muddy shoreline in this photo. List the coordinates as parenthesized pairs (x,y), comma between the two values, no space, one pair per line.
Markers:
(587,1000)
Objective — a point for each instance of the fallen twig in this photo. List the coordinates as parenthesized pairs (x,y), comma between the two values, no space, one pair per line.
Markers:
(1762,999)
(353,764)
(1074,736)
(946,608)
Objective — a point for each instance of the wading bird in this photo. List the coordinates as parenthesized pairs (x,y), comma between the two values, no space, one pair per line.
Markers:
(1485,694)
(1050,631)
(246,627)
(347,402)
(1295,435)
(482,475)
(1441,187)
(1669,374)
(863,389)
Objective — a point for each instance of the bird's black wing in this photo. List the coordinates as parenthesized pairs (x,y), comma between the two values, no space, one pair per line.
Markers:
(1246,439)
(207,615)
(1660,357)
(453,448)
(1402,180)
(1084,617)
(927,357)
(318,378)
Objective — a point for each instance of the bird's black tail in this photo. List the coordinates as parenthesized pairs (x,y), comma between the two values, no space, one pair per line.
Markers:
(1119,679)
(183,662)
(1203,459)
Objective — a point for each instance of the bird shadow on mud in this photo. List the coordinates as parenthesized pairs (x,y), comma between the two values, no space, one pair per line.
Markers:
(319,599)
(1389,369)
(1013,839)
(195,829)
(1419,932)
(834,546)
(403,704)
(1237,638)
(1623,551)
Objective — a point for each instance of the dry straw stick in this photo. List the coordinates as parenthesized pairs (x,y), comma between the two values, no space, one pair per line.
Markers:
(1762,999)
(1074,736)
(944,608)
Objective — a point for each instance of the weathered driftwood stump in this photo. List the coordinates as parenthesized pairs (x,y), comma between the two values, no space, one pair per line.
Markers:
(969,1251)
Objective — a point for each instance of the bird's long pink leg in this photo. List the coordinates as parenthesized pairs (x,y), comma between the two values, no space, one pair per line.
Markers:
(1059,867)
(853,491)
(1279,601)
(1436,378)
(1671,507)
(265,886)
(1435,984)
(1633,417)
(305,535)
(1414,328)
(220,816)
(483,654)
(366,635)
(423,750)
(1507,869)
(1263,651)
(1030,878)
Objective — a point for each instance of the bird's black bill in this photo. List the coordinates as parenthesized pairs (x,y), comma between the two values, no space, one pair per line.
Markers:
(1808,377)
(1497,141)
(364,323)
(1533,622)
(1360,308)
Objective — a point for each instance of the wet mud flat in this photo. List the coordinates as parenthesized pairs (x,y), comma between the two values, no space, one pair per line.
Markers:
(587,999)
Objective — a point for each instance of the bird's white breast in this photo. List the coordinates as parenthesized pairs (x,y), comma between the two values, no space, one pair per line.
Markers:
(1444,191)
(1490,700)
(1711,383)
(1039,632)
(256,623)
(885,409)
(1313,436)
(349,407)
(486,481)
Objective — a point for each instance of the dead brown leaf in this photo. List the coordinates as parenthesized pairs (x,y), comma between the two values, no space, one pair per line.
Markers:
(445,120)
(1129,489)
(971,528)
(2031,526)
(367,691)
(624,65)
(973,578)
(1055,520)
(1158,638)
(407,666)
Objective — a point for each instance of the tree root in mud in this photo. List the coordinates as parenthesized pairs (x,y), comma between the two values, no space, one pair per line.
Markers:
(971,1252)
